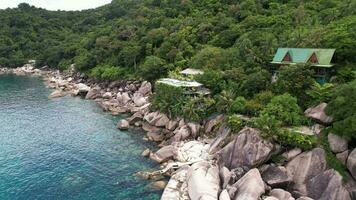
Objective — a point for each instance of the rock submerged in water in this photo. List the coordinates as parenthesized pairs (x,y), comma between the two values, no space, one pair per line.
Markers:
(57,94)
(123,124)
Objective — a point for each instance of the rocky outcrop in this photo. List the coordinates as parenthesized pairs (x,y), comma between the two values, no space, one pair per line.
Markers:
(156,119)
(213,123)
(203,181)
(248,149)
(192,151)
(343,156)
(249,187)
(337,143)
(351,163)
(304,167)
(177,187)
(281,194)
(276,176)
(164,154)
(181,133)
(82,89)
(289,155)
(327,186)
(318,114)
(145,88)
(93,93)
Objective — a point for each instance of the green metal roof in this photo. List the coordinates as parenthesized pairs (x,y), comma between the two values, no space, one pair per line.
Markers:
(302,55)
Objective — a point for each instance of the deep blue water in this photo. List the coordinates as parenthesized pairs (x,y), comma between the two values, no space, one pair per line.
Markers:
(65,148)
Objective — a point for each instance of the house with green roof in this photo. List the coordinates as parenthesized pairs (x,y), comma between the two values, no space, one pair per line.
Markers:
(320,59)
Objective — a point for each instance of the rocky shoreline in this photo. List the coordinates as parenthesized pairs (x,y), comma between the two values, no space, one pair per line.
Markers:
(223,166)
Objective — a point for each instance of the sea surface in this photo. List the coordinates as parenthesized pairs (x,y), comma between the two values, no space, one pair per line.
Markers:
(65,148)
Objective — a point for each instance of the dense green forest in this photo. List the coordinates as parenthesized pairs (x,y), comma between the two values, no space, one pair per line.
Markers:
(233,41)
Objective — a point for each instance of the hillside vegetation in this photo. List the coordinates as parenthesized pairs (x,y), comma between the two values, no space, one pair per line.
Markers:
(232,41)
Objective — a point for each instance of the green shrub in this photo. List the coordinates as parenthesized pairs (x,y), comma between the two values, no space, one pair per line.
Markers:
(235,123)
(238,105)
(153,68)
(342,108)
(172,101)
(224,101)
(285,109)
(295,139)
(271,129)
(295,80)
(319,93)
(168,99)
(105,72)
(212,79)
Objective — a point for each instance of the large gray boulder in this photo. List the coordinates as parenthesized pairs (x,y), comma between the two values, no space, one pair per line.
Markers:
(224,195)
(219,141)
(93,93)
(351,163)
(213,123)
(181,133)
(343,156)
(203,181)
(327,185)
(318,114)
(249,187)
(276,176)
(304,167)
(156,119)
(177,187)
(192,151)
(145,88)
(123,98)
(194,129)
(281,194)
(82,89)
(248,149)
(164,154)
(171,125)
(337,143)
(139,100)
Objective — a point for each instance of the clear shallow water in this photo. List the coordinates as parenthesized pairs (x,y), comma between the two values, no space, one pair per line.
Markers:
(65,148)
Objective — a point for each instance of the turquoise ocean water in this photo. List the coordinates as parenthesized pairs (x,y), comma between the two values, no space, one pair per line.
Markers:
(65,148)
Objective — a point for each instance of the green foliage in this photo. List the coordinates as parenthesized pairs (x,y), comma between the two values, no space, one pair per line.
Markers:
(224,100)
(172,101)
(272,128)
(107,73)
(153,68)
(295,80)
(238,105)
(342,108)
(285,109)
(212,79)
(235,123)
(319,93)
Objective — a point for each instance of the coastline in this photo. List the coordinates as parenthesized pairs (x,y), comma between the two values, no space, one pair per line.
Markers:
(223,166)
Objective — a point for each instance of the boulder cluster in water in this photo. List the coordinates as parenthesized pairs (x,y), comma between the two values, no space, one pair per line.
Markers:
(205,161)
